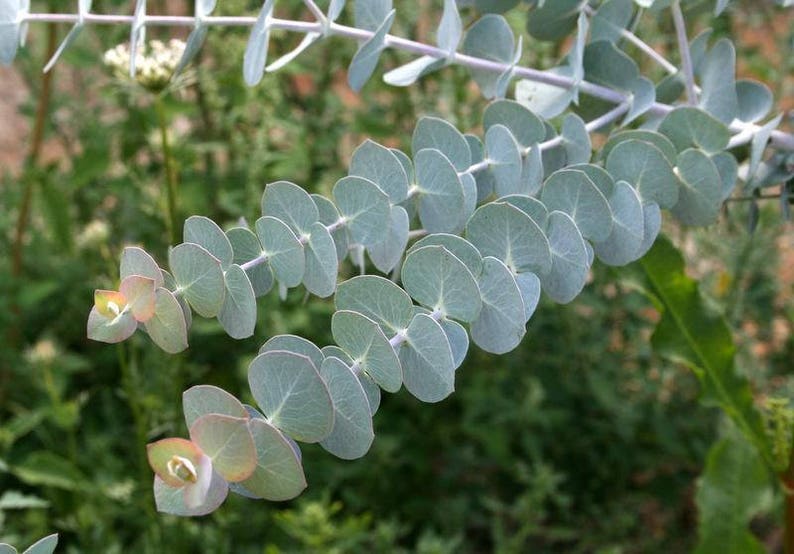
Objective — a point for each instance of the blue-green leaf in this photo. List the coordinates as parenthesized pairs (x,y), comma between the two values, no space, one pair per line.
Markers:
(377,298)
(365,208)
(296,345)
(490,38)
(381,166)
(9,30)
(504,160)
(238,314)
(43,546)
(352,434)
(432,132)
(136,261)
(426,358)
(435,278)
(292,395)
(527,128)
(366,59)
(623,243)
(363,340)
(168,327)
(278,474)
(328,216)
(255,56)
(500,326)
(201,400)
(205,232)
(386,255)
(441,197)
(693,128)
(369,14)
(718,82)
(283,250)
(450,30)
(322,266)
(700,189)
(508,234)
(643,165)
(246,247)
(568,273)
(576,139)
(199,278)
(292,205)
(460,247)
(529,285)
(571,191)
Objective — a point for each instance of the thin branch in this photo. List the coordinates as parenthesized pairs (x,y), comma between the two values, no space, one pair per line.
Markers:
(683,48)
(316,11)
(643,46)
(779,139)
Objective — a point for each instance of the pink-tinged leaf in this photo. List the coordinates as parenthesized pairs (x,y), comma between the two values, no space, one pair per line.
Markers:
(205,399)
(196,493)
(228,442)
(139,292)
(279,473)
(109,303)
(171,500)
(110,330)
(167,327)
(176,461)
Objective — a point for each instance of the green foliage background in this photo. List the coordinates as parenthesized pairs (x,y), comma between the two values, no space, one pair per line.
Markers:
(581,440)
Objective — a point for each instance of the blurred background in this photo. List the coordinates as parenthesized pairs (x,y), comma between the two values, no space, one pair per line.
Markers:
(581,440)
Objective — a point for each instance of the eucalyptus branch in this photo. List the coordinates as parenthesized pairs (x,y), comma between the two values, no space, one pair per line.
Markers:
(683,48)
(778,138)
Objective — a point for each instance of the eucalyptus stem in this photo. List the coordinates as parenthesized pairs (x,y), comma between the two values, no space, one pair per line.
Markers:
(683,48)
(170,172)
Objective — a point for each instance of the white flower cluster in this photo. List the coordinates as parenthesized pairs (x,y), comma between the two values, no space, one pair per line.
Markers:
(155,63)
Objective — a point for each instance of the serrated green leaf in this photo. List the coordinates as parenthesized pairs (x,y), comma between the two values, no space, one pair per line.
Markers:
(733,488)
(691,333)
